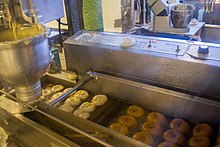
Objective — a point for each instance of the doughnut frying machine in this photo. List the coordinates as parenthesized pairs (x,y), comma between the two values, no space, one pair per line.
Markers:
(137,81)
(177,78)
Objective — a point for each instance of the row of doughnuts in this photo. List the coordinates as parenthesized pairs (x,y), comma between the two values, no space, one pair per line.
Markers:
(201,136)
(174,136)
(84,110)
(128,120)
(151,129)
(74,100)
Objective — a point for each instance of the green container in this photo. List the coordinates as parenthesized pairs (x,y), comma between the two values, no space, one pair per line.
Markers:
(92,15)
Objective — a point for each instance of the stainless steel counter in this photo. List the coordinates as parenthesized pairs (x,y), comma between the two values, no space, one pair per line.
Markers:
(26,133)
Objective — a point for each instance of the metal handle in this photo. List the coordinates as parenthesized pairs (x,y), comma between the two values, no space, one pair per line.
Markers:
(83,81)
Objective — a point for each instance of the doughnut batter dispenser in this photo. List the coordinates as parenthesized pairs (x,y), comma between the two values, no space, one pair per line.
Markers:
(24,49)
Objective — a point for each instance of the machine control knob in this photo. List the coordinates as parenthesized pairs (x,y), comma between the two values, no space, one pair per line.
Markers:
(149,44)
(203,49)
(177,48)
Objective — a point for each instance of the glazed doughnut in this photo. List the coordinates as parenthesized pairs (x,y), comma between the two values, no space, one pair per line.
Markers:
(144,137)
(157,118)
(3,137)
(82,94)
(173,136)
(87,107)
(167,144)
(154,129)
(120,128)
(74,101)
(179,125)
(202,130)
(99,100)
(47,92)
(135,111)
(127,120)
(57,88)
(199,141)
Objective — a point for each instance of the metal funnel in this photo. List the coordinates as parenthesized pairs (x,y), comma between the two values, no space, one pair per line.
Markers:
(24,60)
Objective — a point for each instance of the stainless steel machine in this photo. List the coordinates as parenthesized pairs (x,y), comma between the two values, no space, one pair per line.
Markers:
(177,78)
(24,46)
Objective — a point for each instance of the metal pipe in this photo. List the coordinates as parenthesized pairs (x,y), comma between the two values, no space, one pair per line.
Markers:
(144,12)
(83,81)
(58,120)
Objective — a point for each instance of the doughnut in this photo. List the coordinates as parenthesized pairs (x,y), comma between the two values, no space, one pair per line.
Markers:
(199,141)
(179,125)
(67,89)
(154,129)
(72,76)
(56,95)
(167,144)
(47,92)
(173,136)
(99,100)
(202,130)
(80,113)
(84,115)
(57,88)
(82,94)
(144,137)
(157,118)
(68,109)
(127,120)
(74,101)
(87,107)
(135,111)
(3,137)
(120,128)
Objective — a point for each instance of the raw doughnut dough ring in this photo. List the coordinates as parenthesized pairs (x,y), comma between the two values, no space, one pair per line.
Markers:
(3,137)
(74,101)
(87,107)
(82,94)
(57,88)
(99,99)
(47,92)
